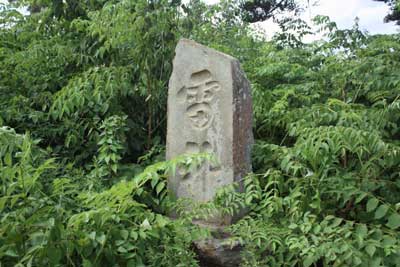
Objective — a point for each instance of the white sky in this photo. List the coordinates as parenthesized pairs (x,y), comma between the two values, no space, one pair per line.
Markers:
(343,12)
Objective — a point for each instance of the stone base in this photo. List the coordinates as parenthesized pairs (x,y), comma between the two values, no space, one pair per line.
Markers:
(216,252)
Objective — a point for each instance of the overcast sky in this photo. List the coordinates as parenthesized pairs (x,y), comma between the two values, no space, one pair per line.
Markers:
(343,12)
(370,13)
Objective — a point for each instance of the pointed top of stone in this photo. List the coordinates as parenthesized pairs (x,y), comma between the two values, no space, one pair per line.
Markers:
(184,43)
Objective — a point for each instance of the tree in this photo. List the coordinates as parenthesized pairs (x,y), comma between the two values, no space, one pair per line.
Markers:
(82,127)
(394,14)
(261,10)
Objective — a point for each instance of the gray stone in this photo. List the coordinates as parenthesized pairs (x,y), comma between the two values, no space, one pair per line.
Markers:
(218,250)
(209,110)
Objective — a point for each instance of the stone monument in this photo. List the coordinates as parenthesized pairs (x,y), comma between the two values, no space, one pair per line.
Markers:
(209,110)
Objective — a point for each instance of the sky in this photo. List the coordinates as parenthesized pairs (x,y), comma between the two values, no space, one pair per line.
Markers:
(343,12)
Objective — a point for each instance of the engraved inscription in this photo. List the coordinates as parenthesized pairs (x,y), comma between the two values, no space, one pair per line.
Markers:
(198,96)
(194,148)
(200,115)
(205,147)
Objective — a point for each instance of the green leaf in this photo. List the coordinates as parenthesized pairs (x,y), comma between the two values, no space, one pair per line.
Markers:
(336,222)
(381,211)
(114,168)
(101,239)
(146,224)
(119,242)
(388,241)
(372,204)
(87,263)
(360,197)
(54,254)
(308,261)
(122,249)
(131,263)
(92,235)
(8,159)
(362,230)
(161,221)
(3,202)
(134,235)
(124,234)
(160,187)
(394,221)
(370,249)
(356,261)
(154,181)
(376,262)
(11,252)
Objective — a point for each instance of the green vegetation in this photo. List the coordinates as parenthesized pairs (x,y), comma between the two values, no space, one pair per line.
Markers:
(82,112)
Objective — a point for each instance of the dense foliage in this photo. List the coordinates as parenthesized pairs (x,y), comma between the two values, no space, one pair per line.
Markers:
(260,10)
(82,113)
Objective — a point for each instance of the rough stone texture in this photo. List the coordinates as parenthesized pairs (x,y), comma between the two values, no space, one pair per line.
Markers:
(215,252)
(209,110)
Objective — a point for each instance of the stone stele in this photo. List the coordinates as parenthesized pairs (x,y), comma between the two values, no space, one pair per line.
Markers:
(209,110)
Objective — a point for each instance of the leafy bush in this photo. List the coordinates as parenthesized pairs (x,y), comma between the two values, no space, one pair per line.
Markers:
(83,178)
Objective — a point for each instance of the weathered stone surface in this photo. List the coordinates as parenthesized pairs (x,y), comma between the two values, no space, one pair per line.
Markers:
(209,110)
(216,252)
